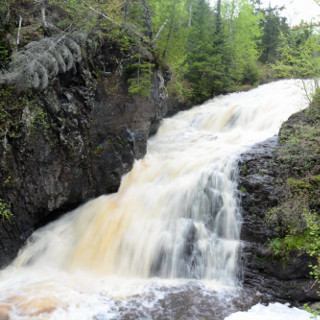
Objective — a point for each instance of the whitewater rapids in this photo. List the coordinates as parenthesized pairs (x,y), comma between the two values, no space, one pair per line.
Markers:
(166,246)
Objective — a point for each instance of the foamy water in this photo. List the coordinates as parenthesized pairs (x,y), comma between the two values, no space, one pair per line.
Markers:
(166,245)
(274,311)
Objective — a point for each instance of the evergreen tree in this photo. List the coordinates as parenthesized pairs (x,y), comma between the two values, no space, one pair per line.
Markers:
(199,47)
(272,25)
(207,52)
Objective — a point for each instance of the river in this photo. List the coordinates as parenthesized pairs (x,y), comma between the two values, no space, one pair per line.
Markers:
(166,246)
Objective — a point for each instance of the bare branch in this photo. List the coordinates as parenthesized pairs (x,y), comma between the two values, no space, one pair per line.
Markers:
(127,27)
(103,15)
(306,25)
(317,2)
(42,61)
(190,16)
(43,15)
(19,30)
(159,32)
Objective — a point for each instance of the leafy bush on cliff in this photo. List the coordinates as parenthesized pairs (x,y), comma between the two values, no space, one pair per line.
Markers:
(5,212)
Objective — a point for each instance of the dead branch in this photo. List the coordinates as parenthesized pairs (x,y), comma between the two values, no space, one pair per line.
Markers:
(159,32)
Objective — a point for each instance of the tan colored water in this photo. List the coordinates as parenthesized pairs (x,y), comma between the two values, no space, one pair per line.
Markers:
(175,218)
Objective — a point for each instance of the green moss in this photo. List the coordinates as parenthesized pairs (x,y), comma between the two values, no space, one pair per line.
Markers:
(315,179)
(243,189)
(5,212)
(299,184)
(98,150)
(244,168)
(307,241)
(11,107)
(297,162)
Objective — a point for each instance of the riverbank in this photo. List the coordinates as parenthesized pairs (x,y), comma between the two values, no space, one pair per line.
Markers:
(280,199)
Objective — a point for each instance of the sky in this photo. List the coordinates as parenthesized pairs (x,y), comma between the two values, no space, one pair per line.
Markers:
(296,10)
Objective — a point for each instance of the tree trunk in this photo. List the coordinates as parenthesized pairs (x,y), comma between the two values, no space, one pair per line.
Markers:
(147,19)
(126,8)
(173,12)
(19,30)
(190,16)
(159,32)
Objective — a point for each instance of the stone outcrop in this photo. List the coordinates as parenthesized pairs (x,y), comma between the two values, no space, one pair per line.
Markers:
(263,270)
(73,141)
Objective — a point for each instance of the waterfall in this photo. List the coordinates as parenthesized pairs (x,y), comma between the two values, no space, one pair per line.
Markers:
(174,223)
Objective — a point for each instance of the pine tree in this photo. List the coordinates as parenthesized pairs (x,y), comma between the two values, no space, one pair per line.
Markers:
(273,24)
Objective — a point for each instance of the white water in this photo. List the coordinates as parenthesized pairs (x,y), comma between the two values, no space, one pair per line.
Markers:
(175,217)
(275,311)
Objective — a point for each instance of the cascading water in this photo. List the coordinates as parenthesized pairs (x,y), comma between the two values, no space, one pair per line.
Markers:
(133,254)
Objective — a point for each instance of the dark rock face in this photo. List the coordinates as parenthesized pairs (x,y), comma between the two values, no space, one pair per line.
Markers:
(257,184)
(76,140)
(262,270)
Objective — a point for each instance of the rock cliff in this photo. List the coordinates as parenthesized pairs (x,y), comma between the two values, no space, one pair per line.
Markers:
(263,187)
(73,140)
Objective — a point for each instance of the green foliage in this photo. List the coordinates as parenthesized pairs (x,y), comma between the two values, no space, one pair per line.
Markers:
(300,146)
(208,58)
(140,77)
(136,14)
(210,48)
(40,120)
(298,162)
(272,24)
(244,168)
(4,55)
(5,11)
(313,112)
(98,150)
(85,14)
(4,46)
(170,47)
(243,189)
(315,313)
(298,184)
(11,105)
(299,195)
(245,31)
(207,50)
(299,55)
(5,213)
(297,216)
(308,242)
(141,85)
(284,246)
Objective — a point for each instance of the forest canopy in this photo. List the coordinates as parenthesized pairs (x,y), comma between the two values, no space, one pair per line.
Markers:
(235,44)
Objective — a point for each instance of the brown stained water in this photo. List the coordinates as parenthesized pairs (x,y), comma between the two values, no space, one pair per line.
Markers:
(166,246)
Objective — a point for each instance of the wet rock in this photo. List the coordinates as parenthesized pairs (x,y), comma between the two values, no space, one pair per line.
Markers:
(76,139)
(286,279)
(256,184)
